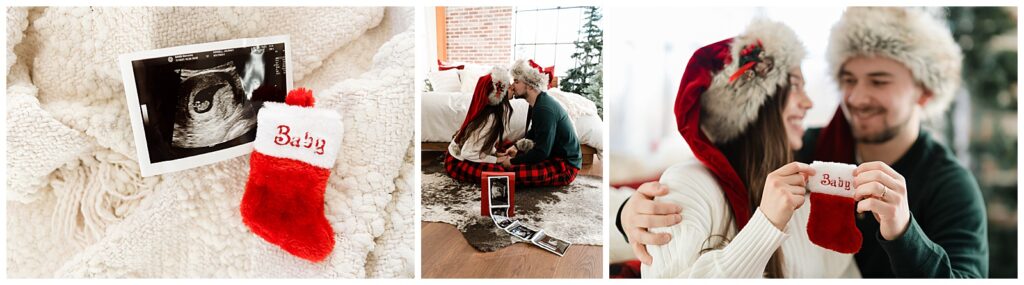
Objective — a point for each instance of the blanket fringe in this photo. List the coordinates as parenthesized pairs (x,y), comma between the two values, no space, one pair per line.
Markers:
(95,191)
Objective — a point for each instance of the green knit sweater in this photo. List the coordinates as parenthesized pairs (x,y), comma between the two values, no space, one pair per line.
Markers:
(552,133)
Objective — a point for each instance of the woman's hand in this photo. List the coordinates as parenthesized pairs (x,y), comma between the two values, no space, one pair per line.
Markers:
(510,152)
(783,192)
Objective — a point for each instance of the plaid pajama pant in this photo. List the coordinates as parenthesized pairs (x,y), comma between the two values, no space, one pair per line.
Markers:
(550,172)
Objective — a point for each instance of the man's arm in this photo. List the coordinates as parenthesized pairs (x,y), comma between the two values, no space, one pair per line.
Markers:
(543,136)
(618,220)
(951,241)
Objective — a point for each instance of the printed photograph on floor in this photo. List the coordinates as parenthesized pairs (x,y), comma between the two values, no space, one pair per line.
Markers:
(210,142)
(512,142)
(813,142)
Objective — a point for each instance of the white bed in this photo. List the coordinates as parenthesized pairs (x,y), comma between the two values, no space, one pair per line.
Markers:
(443,113)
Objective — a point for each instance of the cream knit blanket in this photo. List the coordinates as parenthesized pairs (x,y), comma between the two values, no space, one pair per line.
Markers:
(77,206)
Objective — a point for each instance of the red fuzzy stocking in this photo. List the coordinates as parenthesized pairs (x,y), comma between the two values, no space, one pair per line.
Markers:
(292,157)
(832,224)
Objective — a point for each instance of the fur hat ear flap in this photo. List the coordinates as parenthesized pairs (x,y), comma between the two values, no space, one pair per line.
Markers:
(524,145)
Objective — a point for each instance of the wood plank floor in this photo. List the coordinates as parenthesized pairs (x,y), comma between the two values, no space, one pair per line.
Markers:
(446,254)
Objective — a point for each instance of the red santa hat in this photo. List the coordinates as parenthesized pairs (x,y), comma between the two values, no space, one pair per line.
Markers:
(722,89)
(549,71)
(490,90)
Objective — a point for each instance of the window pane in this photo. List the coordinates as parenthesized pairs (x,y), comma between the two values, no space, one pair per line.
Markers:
(547,25)
(524,52)
(545,55)
(526,25)
(569,24)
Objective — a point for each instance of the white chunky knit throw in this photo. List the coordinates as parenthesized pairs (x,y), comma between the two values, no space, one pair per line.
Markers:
(77,206)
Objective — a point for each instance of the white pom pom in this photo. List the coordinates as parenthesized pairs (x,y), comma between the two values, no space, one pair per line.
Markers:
(524,145)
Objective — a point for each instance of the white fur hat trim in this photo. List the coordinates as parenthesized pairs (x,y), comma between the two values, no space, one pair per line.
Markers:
(728,108)
(522,71)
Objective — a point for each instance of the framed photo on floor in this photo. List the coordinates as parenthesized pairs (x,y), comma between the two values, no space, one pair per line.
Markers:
(497,192)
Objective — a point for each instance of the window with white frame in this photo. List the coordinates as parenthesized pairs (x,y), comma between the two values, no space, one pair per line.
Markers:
(547,35)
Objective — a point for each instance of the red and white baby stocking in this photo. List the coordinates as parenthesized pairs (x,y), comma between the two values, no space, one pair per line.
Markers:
(832,223)
(295,148)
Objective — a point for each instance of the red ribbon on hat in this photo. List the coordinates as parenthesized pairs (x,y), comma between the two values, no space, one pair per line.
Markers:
(697,77)
(549,71)
(749,57)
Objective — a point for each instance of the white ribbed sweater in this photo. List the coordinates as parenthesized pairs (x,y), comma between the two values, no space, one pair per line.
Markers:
(470,150)
(706,213)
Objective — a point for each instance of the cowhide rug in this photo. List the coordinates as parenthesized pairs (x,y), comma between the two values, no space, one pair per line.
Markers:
(572,213)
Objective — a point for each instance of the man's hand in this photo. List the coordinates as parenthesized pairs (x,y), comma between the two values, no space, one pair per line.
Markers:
(505,161)
(510,152)
(641,212)
(883,192)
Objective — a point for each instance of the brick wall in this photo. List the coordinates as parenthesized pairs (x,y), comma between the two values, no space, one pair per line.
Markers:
(481,35)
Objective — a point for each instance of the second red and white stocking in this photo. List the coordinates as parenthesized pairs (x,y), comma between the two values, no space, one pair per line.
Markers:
(295,148)
(832,223)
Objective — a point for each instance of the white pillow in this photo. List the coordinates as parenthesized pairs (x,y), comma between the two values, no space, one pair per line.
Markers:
(445,81)
(470,75)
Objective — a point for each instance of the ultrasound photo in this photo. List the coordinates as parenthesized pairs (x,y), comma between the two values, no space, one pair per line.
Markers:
(212,108)
(195,105)
(522,231)
(498,190)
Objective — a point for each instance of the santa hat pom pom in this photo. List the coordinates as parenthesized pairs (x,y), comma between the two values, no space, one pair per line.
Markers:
(300,97)
(524,145)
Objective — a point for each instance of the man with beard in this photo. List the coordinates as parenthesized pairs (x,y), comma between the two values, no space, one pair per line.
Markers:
(550,153)
(894,66)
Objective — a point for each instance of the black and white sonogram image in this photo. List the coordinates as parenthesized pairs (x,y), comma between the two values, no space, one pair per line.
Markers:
(212,108)
(201,101)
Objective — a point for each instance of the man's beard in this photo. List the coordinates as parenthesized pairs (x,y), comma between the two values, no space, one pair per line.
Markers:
(887,133)
(517,95)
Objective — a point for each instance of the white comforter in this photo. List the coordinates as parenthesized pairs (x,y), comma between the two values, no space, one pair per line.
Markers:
(443,113)
(77,207)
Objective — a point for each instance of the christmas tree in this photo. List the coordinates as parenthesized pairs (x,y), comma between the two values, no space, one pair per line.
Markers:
(585,78)
(987,36)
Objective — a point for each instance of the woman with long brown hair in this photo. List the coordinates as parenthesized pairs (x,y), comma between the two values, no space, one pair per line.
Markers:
(474,147)
(740,107)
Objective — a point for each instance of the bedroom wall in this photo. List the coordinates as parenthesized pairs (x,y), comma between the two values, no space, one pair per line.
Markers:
(481,35)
